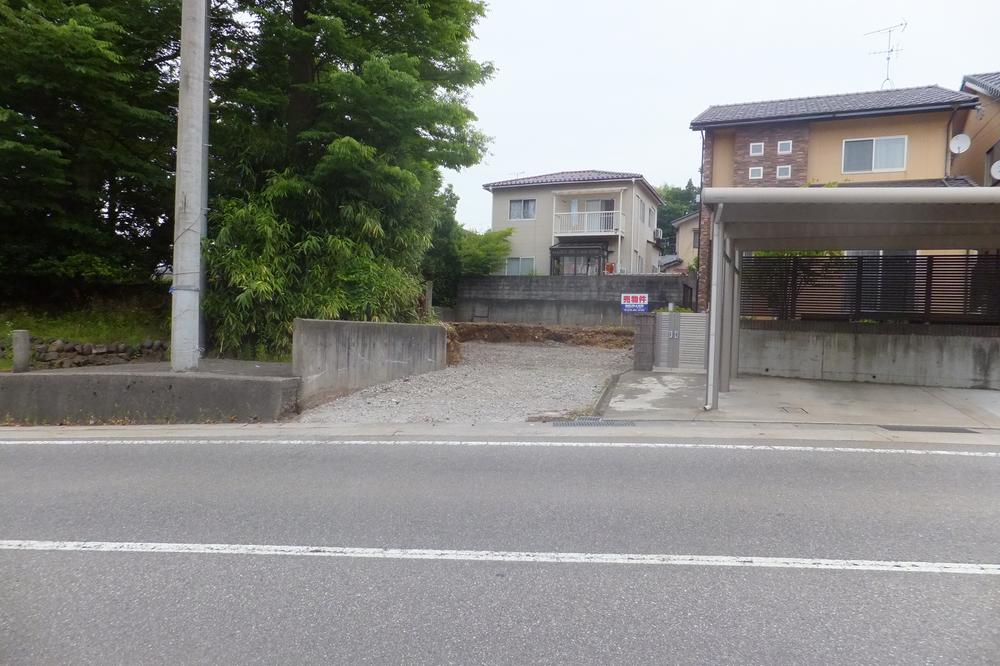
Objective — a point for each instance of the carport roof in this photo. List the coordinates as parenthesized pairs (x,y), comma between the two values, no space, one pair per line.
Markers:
(863,218)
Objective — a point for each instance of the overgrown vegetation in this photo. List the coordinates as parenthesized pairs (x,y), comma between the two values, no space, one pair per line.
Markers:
(98,320)
(331,122)
(457,252)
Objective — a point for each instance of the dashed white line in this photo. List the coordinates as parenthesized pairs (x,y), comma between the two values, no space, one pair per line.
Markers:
(505,556)
(774,448)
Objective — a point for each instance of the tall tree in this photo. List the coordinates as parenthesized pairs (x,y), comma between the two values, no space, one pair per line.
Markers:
(335,135)
(85,136)
(677,202)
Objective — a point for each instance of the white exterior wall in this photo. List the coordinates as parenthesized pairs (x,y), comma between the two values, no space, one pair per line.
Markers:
(533,238)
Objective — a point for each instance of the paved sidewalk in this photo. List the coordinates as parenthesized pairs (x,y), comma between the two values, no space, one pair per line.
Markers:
(681,397)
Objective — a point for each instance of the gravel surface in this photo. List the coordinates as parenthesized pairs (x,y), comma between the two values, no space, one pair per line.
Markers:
(493,383)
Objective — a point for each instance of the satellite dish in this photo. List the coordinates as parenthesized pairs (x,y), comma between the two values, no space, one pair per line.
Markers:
(995,171)
(959,143)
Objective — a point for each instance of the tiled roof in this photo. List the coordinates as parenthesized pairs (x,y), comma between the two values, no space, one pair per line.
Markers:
(570,177)
(585,176)
(877,102)
(950,181)
(990,82)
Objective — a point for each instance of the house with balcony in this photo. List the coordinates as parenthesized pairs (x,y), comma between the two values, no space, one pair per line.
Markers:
(578,223)
(884,138)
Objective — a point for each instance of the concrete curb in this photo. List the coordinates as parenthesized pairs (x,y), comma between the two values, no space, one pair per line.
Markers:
(604,400)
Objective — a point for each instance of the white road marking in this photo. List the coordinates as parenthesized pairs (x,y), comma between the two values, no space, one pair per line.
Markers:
(513,443)
(505,556)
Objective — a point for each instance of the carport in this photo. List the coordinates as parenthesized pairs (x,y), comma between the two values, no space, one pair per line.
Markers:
(778,218)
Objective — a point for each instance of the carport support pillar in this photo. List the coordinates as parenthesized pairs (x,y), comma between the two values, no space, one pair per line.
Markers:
(729,287)
(734,364)
(715,311)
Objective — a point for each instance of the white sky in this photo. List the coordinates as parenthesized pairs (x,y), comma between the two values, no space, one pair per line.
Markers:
(599,84)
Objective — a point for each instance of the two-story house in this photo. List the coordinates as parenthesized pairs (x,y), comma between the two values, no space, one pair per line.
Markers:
(887,138)
(578,223)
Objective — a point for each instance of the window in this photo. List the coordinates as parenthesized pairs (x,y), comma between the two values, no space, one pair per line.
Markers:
(522,209)
(695,237)
(756,173)
(520,266)
(884,153)
(652,217)
(785,147)
(756,149)
(784,172)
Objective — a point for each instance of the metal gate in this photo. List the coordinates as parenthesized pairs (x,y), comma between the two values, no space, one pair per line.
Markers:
(681,340)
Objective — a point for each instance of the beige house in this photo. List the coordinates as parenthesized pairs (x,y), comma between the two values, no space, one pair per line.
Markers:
(885,138)
(688,232)
(578,223)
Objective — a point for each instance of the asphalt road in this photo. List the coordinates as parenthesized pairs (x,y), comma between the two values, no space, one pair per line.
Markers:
(61,606)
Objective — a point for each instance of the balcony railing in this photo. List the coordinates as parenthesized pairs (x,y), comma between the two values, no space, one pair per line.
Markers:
(590,222)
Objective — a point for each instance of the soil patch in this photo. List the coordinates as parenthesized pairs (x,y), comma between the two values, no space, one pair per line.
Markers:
(603,337)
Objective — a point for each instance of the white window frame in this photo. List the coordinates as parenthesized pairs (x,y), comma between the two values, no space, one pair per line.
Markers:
(756,143)
(873,139)
(519,260)
(785,152)
(652,218)
(777,171)
(750,171)
(521,219)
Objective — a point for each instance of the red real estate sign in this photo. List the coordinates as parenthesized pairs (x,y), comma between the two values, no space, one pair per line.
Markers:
(635,302)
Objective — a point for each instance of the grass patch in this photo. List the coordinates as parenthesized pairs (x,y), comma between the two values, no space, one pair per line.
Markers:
(102,323)
(130,321)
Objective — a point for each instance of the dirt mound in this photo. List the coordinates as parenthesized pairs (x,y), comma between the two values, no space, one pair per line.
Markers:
(604,337)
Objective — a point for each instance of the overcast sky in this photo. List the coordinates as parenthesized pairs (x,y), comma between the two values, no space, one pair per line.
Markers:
(599,84)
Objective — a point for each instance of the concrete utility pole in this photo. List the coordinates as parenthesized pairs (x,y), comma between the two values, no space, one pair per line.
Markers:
(191,187)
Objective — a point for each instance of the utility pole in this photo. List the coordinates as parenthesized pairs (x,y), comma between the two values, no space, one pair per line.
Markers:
(191,188)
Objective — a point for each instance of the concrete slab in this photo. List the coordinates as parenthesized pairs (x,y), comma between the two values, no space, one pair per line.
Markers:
(677,397)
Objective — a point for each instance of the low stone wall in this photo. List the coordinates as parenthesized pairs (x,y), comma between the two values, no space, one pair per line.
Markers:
(915,354)
(576,300)
(334,358)
(52,353)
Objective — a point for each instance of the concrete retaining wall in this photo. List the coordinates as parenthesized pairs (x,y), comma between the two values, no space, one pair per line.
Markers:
(334,358)
(117,397)
(566,300)
(901,354)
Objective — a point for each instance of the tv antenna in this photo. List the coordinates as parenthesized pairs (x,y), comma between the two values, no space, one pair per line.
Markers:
(890,50)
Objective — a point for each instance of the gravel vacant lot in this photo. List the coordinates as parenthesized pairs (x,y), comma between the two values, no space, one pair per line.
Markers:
(493,383)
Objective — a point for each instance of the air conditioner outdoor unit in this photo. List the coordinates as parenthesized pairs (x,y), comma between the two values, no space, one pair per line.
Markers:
(658,233)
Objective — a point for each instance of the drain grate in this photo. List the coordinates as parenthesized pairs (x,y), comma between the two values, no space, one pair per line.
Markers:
(916,428)
(592,422)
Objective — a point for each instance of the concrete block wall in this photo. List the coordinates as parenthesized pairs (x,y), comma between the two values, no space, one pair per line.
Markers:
(903,354)
(564,300)
(334,358)
(645,339)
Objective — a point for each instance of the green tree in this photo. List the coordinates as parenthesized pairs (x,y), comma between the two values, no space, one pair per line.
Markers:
(337,117)
(457,252)
(85,135)
(677,202)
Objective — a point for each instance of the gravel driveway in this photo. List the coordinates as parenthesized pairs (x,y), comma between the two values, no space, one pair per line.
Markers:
(493,383)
